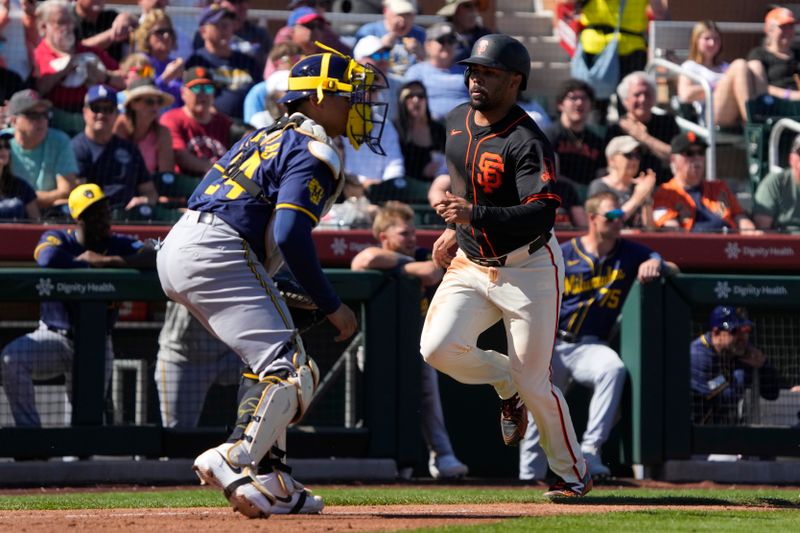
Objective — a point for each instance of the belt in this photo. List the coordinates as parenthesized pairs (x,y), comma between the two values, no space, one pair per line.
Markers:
(206,218)
(65,332)
(571,338)
(532,248)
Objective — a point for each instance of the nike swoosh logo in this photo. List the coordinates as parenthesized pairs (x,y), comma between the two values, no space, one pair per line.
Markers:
(573,262)
(455,132)
(235,469)
(287,499)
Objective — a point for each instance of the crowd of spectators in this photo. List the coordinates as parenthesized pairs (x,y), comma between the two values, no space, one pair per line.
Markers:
(182,99)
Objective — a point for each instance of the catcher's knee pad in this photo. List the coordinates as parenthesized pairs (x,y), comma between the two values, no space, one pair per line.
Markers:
(280,402)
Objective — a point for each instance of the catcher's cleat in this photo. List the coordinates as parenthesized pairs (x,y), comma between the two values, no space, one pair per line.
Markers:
(513,420)
(242,491)
(561,490)
(291,497)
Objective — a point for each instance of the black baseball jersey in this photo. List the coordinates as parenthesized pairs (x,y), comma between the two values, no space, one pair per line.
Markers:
(506,170)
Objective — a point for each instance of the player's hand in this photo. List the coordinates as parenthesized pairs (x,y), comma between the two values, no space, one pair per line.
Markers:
(443,248)
(345,321)
(754,357)
(454,209)
(93,258)
(649,270)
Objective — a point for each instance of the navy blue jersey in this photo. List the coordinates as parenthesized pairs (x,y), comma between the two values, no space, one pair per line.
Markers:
(596,287)
(60,249)
(719,382)
(292,167)
(234,76)
(117,166)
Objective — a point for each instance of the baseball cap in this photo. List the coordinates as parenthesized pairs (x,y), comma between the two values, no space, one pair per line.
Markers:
(82,197)
(779,16)
(439,30)
(196,76)
(727,317)
(303,15)
(400,7)
(214,13)
(97,93)
(623,144)
(366,46)
(25,100)
(450,7)
(683,141)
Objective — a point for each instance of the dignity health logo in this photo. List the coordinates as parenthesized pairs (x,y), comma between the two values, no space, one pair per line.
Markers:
(734,250)
(723,290)
(45,288)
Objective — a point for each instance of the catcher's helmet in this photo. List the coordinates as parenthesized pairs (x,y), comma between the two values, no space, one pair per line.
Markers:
(727,317)
(336,73)
(501,51)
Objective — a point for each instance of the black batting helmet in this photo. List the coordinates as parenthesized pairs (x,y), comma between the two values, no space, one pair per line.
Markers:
(501,51)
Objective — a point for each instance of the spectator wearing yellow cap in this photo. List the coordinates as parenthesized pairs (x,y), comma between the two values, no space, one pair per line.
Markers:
(48,351)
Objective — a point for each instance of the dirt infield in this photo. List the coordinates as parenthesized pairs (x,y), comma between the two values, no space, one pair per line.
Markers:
(333,519)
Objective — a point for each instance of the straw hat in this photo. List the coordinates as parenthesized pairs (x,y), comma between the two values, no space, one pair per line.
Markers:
(144,87)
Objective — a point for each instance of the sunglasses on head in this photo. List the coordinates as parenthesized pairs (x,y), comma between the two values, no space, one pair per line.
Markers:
(381,55)
(614,214)
(99,107)
(205,88)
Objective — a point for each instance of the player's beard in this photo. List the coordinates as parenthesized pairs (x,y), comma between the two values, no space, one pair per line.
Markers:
(479,99)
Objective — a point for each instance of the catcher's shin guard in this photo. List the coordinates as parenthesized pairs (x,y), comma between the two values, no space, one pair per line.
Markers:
(280,402)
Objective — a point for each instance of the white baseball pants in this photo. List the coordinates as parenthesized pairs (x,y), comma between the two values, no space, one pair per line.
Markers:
(526,295)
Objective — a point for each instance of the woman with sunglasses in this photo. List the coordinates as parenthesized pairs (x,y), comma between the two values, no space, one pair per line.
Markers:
(139,124)
(421,138)
(632,187)
(156,38)
(17,198)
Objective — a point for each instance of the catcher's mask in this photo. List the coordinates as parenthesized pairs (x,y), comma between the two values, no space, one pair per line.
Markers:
(337,73)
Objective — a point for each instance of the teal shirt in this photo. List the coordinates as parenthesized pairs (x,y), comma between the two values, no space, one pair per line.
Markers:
(40,166)
(778,196)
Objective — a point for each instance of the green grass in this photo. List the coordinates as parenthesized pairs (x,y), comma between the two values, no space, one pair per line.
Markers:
(408,495)
(644,521)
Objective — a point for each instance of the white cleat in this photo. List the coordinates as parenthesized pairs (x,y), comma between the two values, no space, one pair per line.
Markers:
(242,491)
(291,497)
(596,467)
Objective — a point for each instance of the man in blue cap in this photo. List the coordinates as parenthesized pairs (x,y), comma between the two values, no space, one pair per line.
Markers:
(111,161)
(722,368)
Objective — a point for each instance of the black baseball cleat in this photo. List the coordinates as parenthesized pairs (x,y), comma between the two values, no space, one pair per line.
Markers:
(513,420)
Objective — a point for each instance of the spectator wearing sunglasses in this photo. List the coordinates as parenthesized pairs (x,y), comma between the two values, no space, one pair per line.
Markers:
(200,133)
(465,17)
(139,125)
(113,163)
(398,33)
(443,78)
(370,50)
(156,38)
(691,202)
(632,186)
(233,72)
(599,269)
(40,155)
(724,364)
(17,198)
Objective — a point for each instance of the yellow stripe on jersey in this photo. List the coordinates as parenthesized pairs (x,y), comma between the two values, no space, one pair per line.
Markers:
(298,208)
(276,301)
(580,253)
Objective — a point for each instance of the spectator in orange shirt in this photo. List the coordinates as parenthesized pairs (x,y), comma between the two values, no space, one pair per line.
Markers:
(691,202)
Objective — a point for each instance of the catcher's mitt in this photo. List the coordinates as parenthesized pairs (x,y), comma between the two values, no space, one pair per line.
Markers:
(305,312)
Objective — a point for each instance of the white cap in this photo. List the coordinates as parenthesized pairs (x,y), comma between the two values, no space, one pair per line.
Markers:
(401,7)
(277,81)
(366,46)
(624,144)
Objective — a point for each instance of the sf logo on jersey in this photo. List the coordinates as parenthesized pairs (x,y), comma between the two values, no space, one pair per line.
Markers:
(491,169)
